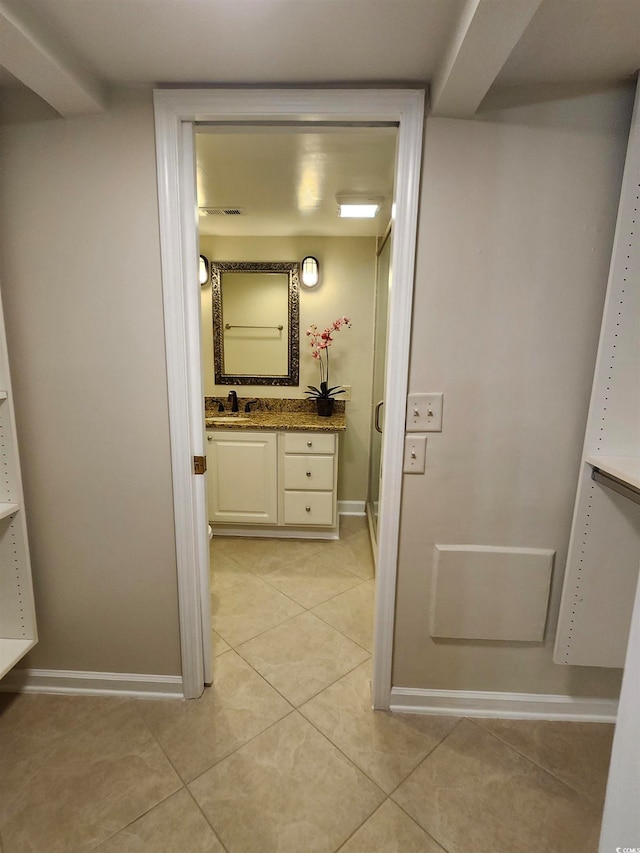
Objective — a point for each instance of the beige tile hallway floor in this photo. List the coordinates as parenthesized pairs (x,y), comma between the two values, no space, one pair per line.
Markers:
(283,752)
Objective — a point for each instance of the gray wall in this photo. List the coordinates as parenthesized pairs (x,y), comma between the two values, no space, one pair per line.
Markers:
(515,234)
(79,249)
(515,231)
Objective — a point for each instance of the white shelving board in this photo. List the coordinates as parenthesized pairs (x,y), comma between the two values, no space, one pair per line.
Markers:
(604,550)
(8,508)
(12,651)
(17,614)
(624,468)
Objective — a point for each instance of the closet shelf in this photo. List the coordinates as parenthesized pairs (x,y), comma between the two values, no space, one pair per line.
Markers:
(624,468)
(7,508)
(11,651)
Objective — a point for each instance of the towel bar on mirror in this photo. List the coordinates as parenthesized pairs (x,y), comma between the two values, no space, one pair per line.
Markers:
(229,326)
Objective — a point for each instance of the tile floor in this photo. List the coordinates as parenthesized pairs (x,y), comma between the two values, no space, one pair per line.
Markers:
(283,753)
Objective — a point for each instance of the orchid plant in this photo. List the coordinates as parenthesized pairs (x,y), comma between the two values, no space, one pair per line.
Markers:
(320,343)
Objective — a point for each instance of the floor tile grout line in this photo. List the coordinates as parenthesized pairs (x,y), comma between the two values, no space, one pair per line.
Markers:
(339,594)
(266,680)
(346,636)
(537,764)
(114,703)
(260,634)
(430,753)
(425,757)
(336,680)
(269,586)
(325,600)
(306,610)
(139,817)
(239,747)
(263,577)
(198,806)
(290,619)
(429,835)
(344,754)
(353,764)
(358,828)
(163,750)
(273,687)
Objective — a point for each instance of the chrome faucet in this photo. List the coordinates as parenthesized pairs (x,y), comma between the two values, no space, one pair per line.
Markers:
(233,399)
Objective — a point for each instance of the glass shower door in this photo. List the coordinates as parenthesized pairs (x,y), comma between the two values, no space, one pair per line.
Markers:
(383,282)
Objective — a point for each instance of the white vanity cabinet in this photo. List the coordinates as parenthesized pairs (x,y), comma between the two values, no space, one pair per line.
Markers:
(309,478)
(283,481)
(242,477)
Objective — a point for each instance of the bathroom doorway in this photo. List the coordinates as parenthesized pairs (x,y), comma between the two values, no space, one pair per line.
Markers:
(269,194)
(176,112)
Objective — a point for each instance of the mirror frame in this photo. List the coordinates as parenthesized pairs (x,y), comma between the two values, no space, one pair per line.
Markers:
(292,270)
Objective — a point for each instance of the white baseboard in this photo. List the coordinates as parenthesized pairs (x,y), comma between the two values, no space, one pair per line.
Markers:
(351,507)
(263,532)
(74,682)
(513,706)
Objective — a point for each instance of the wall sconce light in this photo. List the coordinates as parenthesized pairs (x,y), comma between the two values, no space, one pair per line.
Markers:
(309,271)
(204,270)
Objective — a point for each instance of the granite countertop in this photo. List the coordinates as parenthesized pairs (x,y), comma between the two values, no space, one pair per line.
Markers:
(275,415)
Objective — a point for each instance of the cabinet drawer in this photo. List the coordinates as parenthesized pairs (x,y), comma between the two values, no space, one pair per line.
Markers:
(308,472)
(308,507)
(309,442)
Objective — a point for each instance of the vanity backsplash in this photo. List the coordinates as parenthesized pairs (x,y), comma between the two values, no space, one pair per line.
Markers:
(266,404)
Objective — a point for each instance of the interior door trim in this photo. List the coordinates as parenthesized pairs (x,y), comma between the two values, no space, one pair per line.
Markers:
(173,108)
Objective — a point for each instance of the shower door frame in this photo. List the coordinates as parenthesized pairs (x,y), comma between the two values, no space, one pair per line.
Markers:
(176,113)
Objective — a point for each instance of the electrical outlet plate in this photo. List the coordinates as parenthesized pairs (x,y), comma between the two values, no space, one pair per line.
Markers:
(424,412)
(347,393)
(415,454)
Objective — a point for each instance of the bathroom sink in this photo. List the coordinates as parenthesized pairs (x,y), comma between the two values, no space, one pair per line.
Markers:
(226,419)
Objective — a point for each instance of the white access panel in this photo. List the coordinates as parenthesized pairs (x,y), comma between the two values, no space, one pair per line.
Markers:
(490,593)
(604,549)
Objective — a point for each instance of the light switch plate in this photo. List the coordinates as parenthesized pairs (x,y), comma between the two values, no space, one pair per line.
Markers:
(347,393)
(424,413)
(415,454)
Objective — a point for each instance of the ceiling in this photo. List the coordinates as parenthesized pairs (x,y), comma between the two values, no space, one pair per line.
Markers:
(285,180)
(71,51)
(61,58)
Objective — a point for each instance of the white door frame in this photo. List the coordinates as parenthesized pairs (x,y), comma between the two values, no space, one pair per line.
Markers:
(175,112)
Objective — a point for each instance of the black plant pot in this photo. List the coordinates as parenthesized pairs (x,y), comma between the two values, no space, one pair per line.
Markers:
(325,406)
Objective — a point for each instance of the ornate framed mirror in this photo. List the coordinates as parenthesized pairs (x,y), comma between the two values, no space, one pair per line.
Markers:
(256,322)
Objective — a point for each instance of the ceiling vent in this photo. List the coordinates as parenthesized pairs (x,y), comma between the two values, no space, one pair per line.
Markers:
(222,211)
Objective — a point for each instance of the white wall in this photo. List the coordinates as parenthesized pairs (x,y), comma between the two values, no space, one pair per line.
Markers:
(347,268)
(515,232)
(81,286)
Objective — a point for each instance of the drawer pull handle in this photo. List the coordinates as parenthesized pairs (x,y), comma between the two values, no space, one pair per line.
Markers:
(308,473)
(308,508)
(309,444)
(209,438)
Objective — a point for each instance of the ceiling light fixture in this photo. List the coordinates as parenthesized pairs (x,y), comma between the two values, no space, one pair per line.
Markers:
(358,207)
(310,271)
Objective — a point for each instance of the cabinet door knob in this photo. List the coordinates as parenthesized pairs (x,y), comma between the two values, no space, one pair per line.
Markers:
(308,508)
(209,438)
(308,473)
(309,444)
